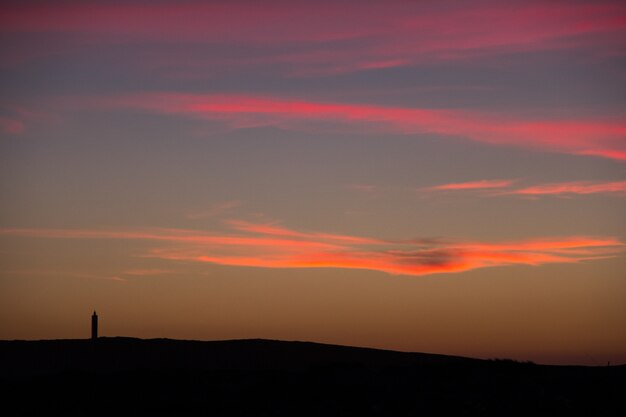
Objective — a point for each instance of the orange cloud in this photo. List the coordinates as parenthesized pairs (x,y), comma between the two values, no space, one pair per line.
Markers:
(146,272)
(260,247)
(268,229)
(182,236)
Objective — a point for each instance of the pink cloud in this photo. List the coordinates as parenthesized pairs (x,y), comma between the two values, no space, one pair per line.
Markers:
(601,137)
(576,187)
(11,126)
(472,185)
(495,188)
(616,154)
(381,36)
(270,246)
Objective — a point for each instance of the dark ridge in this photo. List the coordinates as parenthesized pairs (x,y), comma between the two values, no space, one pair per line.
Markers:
(123,353)
(128,376)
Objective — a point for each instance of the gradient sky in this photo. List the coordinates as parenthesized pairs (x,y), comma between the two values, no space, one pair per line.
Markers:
(435,176)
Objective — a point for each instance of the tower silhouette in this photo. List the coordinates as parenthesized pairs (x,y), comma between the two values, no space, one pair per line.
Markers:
(94,326)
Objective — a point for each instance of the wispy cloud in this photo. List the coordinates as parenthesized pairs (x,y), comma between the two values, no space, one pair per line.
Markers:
(504,187)
(146,272)
(60,274)
(270,229)
(576,187)
(364,35)
(274,246)
(472,185)
(10,125)
(598,137)
(215,210)
(616,154)
(363,188)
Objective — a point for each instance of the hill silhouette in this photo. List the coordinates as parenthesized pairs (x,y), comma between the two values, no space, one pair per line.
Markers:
(264,377)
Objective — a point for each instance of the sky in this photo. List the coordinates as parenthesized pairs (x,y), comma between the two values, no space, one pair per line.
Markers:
(433,176)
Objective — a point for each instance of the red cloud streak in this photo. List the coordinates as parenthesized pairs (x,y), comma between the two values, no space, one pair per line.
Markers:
(268,246)
(618,155)
(556,188)
(577,187)
(599,137)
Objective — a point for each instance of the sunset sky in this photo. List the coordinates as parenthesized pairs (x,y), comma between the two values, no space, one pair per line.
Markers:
(432,176)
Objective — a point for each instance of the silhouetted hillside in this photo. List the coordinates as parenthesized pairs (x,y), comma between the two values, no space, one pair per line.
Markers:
(260,377)
(122,354)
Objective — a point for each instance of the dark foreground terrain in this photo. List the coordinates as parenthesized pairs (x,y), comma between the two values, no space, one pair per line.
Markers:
(124,376)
